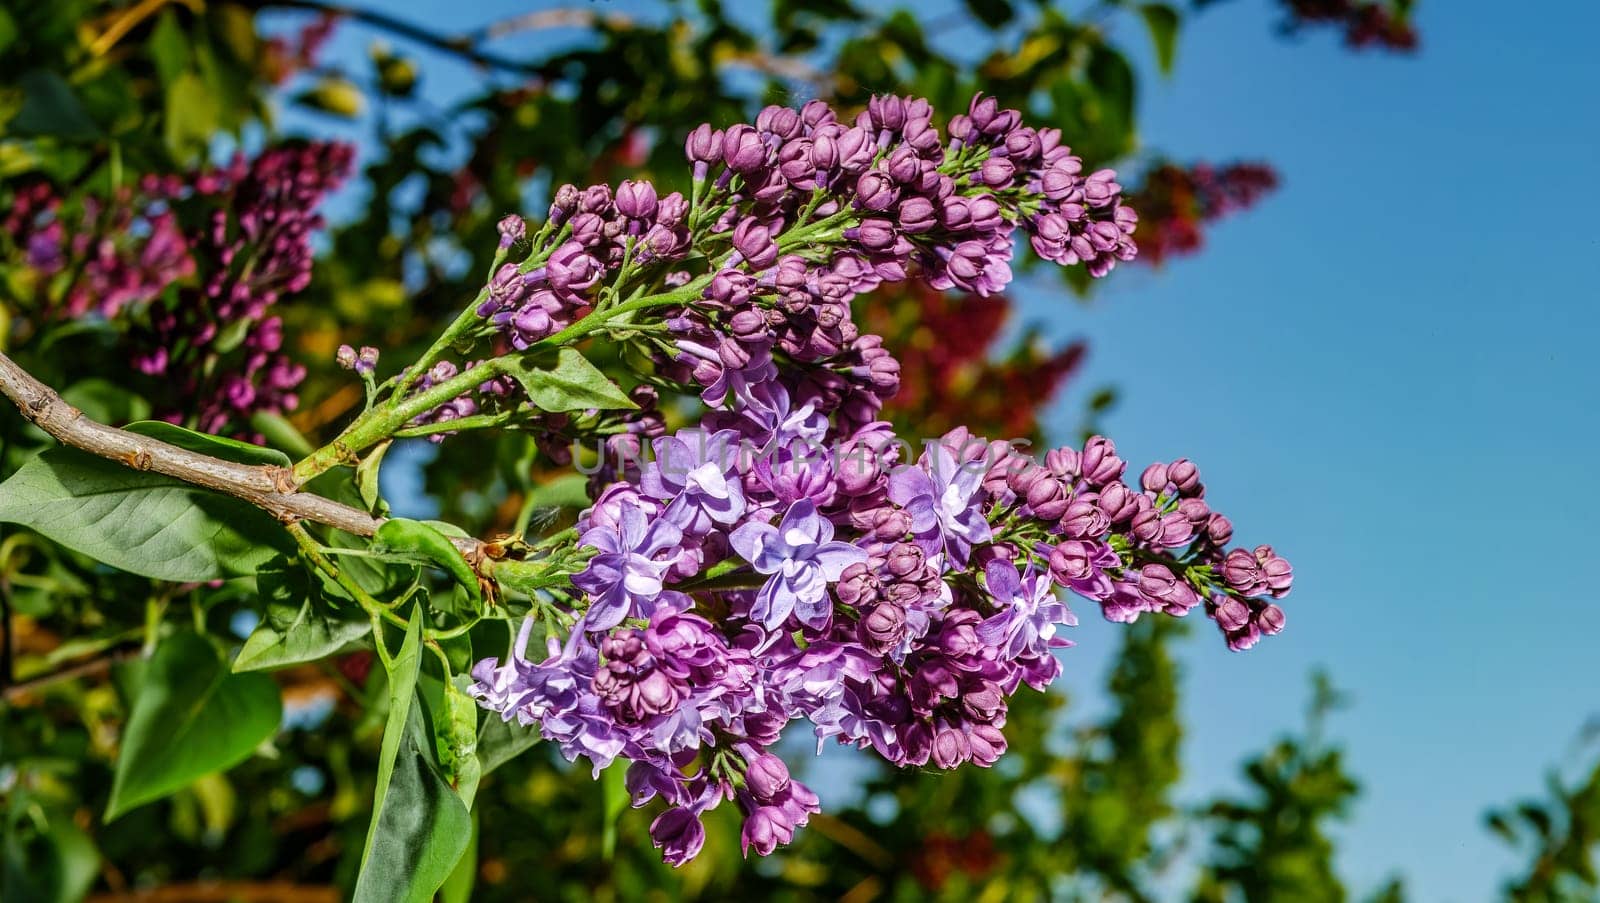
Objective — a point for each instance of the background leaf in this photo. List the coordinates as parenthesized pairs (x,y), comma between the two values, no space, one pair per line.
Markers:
(191,717)
(300,623)
(140,522)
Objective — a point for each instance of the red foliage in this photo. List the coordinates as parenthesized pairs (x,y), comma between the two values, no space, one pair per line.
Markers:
(1176,201)
(947,377)
(1366,23)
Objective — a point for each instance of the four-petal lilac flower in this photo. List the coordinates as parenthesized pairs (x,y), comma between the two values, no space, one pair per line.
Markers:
(624,579)
(802,558)
(942,496)
(698,471)
(1029,612)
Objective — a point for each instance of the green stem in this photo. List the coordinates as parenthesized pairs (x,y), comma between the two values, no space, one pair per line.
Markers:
(311,550)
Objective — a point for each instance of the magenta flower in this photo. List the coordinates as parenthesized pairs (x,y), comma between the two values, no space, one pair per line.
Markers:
(802,558)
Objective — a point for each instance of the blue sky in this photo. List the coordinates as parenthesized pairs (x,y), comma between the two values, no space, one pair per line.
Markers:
(1387,371)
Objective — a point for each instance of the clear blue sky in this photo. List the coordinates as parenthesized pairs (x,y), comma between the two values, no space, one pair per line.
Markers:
(1389,372)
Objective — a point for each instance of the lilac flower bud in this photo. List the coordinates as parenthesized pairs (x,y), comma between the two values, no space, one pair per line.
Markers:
(678,834)
(1119,503)
(1047,498)
(637,200)
(997,172)
(1063,462)
(1276,572)
(781,121)
(672,211)
(512,230)
(1154,479)
(1271,619)
(856,150)
(1022,479)
(1195,511)
(1100,462)
(1242,572)
(916,215)
(873,234)
(883,628)
(704,144)
(986,744)
(1184,475)
(742,150)
(1083,519)
(875,191)
(564,203)
(905,559)
(366,361)
(1231,614)
(1164,590)
(754,243)
(950,748)
(887,111)
(595,199)
(794,164)
(346,357)
(824,152)
(588,229)
(1219,529)
(766,775)
(816,112)
(903,165)
(764,829)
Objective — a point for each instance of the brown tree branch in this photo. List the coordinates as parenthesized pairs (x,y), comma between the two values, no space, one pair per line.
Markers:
(267,487)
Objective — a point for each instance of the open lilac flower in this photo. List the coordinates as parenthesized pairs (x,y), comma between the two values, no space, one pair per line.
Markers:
(697,472)
(943,497)
(1029,612)
(625,578)
(803,558)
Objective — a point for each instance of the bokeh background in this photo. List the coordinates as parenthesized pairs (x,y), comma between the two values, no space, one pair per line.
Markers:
(1384,367)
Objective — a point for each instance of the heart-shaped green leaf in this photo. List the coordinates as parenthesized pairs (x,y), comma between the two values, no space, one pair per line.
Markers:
(191,717)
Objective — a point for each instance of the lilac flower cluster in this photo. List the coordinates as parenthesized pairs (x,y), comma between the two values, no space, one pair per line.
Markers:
(792,217)
(255,248)
(787,557)
(195,295)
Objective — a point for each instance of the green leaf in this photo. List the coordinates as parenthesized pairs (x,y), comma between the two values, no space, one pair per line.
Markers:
(280,433)
(53,862)
(501,741)
(193,115)
(613,801)
(428,546)
(192,717)
(144,523)
(335,96)
(169,48)
(301,623)
(568,383)
(458,887)
(1162,21)
(8,29)
(207,444)
(367,477)
(106,402)
(566,491)
(420,827)
(50,107)
(993,13)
